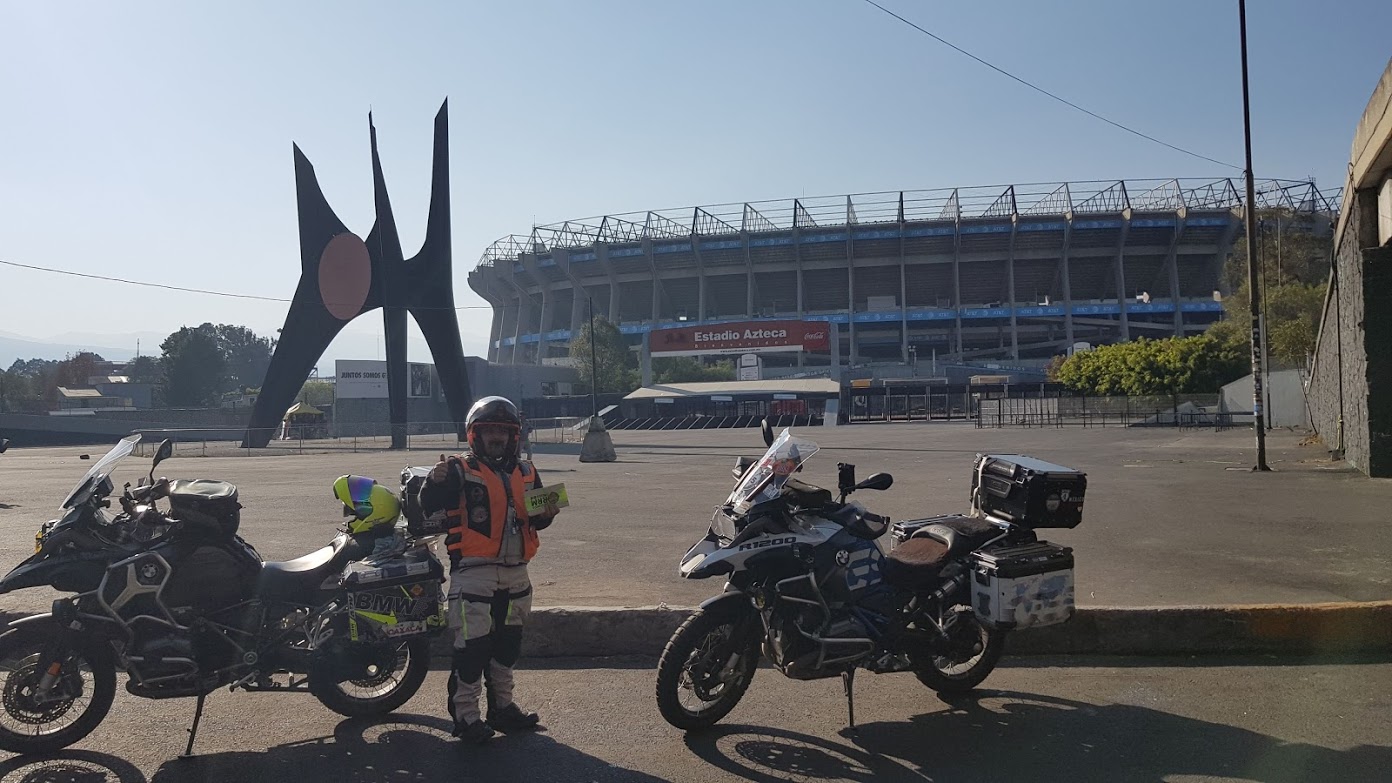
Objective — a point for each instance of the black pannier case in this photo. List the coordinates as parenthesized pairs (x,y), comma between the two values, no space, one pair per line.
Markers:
(1028,491)
(395,598)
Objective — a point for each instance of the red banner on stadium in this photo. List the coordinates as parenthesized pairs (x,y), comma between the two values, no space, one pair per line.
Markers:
(745,337)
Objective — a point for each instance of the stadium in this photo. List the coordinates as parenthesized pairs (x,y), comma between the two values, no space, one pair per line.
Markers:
(1004,274)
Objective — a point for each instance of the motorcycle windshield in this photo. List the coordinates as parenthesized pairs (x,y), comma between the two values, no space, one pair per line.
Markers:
(82,492)
(764,481)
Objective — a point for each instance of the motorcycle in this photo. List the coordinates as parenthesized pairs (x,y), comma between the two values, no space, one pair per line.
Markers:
(183,605)
(809,588)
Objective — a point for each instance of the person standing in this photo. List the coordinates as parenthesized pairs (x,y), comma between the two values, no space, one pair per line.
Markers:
(490,541)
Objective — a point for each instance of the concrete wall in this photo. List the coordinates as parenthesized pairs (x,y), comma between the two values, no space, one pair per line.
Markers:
(517,381)
(1350,391)
(365,417)
(1285,403)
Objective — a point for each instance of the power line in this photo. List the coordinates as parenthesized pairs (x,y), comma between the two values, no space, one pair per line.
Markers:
(229,294)
(1058,98)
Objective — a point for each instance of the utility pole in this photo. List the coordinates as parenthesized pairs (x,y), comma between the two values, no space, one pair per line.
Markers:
(1259,415)
(598,445)
(594,367)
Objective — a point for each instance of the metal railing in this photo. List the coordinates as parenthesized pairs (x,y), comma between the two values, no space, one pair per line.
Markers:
(910,206)
(1188,411)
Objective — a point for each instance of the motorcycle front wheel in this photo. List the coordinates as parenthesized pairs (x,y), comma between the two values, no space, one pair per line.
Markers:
(383,685)
(967,659)
(705,670)
(75,705)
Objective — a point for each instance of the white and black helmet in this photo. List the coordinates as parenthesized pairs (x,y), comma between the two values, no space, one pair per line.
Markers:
(499,411)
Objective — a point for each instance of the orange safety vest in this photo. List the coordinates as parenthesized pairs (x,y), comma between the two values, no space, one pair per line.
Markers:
(480,520)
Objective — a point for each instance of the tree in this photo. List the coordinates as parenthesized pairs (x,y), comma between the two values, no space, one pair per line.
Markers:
(195,370)
(247,356)
(316,393)
(1292,314)
(1190,365)
(1298,253)
(23,387)
(17,393)
(144,369)
(75,370)
(33,368)
(200,363)
(689,369)
(1293,267)
(615,364)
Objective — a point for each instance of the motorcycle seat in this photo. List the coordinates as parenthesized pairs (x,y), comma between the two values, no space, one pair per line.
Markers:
(301,578)
(959,534)
(915,564)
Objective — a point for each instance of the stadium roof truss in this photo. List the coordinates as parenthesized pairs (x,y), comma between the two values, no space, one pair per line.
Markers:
(911,206)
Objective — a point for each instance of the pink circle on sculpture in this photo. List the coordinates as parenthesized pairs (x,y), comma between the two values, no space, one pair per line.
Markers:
(345,276)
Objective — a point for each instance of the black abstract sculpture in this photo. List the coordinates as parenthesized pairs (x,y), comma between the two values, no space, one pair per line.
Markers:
(342,277)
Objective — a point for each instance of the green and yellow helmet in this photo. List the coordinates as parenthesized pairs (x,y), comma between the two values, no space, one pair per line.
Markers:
(370,504)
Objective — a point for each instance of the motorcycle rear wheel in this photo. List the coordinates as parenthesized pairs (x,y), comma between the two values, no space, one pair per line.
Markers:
(703,643)
(386,687)
(87,683)
(970,659)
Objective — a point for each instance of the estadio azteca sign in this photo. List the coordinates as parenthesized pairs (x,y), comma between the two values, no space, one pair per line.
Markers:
(739,338)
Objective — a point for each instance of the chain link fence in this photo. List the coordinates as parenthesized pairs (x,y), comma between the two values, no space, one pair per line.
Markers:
(1186,411)
(364,437)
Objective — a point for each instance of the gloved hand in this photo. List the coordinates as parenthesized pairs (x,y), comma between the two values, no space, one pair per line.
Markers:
(543,519)
(446,471)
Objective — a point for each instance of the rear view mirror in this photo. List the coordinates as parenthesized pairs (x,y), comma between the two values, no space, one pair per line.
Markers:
(767,430)
(877,481)
(741,466)
(164,452)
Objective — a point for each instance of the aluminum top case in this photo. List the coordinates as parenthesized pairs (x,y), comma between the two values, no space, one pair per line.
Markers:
(1027,491)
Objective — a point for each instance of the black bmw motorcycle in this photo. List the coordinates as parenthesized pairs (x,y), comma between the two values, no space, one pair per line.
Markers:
(180,603)
(809,587)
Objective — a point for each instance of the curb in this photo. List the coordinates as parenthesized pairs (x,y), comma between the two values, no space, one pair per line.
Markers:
(1331,628)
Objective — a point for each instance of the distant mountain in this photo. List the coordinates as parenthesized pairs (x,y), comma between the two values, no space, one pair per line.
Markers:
(12,348)
(121,347)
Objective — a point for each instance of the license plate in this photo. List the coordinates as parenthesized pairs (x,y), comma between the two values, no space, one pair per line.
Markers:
(38,541)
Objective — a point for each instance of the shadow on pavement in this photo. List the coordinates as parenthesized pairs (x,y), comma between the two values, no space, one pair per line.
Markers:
(1205,661)
(399,748)
(1001,735)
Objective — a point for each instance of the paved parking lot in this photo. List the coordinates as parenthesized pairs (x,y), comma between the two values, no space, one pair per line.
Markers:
(1079,719)
(1172,518)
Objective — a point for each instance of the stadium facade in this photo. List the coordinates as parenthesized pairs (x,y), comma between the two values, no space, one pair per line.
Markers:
(987,273)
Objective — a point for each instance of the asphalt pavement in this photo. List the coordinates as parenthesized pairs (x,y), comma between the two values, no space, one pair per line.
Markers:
(1037,719)
(1173,517)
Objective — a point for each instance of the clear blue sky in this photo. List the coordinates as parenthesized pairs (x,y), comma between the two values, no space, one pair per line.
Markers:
(152,140)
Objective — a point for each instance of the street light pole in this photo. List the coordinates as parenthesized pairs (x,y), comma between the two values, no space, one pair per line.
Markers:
(1259,415)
